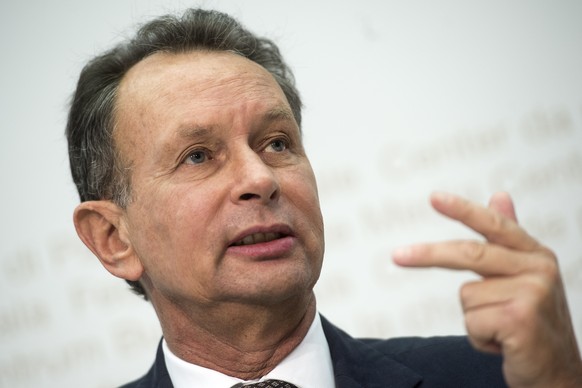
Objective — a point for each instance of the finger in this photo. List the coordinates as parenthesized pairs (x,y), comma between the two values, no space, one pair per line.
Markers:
(513,324)
(483,329)
(494,226)
(532,351)
(501,290)
(481,258)
(503,204)
(487,293)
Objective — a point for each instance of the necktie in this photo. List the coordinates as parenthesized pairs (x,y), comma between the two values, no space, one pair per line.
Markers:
(266,384)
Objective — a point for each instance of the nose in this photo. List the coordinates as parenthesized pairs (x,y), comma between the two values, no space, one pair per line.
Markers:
(254,180)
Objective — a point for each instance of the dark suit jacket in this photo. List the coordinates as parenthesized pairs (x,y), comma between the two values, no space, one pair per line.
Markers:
(447,362)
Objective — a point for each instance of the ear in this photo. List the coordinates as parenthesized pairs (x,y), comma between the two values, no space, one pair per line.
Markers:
(101,226)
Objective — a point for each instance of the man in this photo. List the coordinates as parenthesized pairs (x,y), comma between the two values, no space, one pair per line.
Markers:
(185,146)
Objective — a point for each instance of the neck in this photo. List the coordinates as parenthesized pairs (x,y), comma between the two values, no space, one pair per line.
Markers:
(246,342)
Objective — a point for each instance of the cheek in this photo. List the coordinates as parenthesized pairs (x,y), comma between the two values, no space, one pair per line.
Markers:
(172,237)
(168,224)
(302,180)
(306,200)
(302,193)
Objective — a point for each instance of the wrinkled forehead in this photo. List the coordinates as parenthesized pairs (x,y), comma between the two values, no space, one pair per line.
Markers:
(197,74)
(166,90)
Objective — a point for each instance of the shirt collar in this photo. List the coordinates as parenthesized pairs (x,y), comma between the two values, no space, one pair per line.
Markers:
(308,365)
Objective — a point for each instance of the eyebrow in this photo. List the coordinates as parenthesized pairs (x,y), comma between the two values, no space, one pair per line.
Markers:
(279,113)
(190,132)
(274,114)
(186,132)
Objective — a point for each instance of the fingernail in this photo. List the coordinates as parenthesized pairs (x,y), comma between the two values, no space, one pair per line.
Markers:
(401,254)
(442,197)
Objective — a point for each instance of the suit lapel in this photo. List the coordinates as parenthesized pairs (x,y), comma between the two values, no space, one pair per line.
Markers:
(158,376)
(357,364)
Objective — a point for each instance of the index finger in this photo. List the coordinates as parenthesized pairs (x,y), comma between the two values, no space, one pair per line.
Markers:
(491,224)
(482,258)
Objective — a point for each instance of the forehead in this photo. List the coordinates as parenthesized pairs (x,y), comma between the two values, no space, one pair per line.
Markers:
(167,94)
(164,79)
(167,91)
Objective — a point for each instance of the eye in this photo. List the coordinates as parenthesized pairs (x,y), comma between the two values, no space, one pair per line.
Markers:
(197,157)
(277,145)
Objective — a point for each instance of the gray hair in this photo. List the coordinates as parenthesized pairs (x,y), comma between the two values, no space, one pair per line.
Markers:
(99,171)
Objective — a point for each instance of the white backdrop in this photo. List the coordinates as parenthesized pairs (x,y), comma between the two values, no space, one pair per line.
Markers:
(401,98)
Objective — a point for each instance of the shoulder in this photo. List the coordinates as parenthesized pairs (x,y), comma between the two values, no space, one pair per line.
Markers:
(445,361)
(433,350)
(406,347)
(438,361)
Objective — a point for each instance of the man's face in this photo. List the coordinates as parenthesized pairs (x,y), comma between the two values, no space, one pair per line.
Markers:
(225,205)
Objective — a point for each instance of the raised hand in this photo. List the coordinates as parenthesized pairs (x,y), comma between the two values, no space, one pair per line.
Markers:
(518,307)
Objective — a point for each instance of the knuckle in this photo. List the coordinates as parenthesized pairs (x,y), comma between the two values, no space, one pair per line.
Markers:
(527,310)
(547,266)
(519,314)
(538,290)
(473,250)
(497,227)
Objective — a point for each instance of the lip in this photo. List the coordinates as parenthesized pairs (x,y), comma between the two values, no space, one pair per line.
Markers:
(267,250)
(279,228)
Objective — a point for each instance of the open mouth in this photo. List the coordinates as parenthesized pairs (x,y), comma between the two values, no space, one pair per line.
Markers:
(257,238)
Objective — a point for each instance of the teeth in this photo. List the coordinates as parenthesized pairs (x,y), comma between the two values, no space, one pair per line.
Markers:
(248,240)
(258,238)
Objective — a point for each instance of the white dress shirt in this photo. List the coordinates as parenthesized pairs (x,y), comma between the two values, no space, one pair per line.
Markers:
(308,365)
